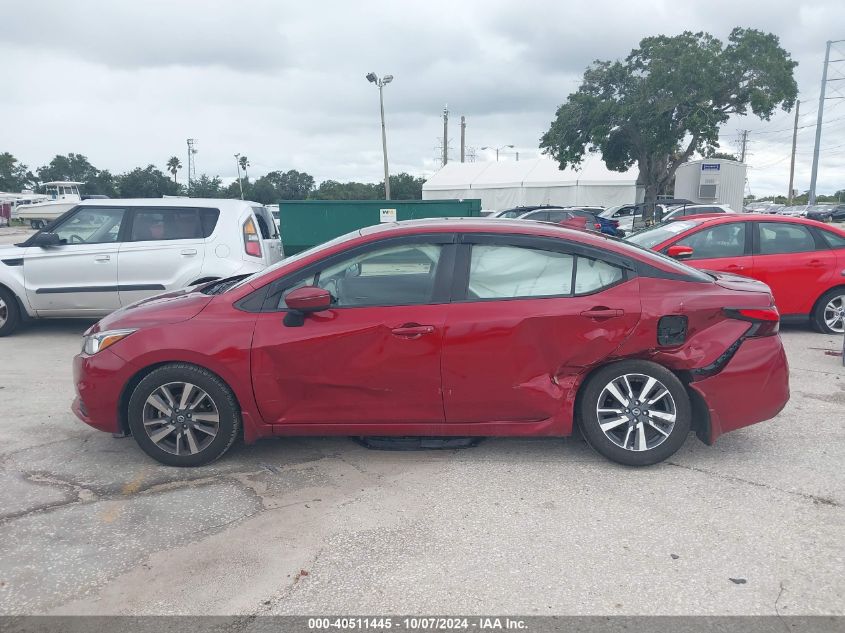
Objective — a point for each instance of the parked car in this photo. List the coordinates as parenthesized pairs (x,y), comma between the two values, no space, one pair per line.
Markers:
(608,226)
(104,254)
(837,213)
(558,215)
(683,211)
(459,327)
(820,212)
(802,261)
(515,212)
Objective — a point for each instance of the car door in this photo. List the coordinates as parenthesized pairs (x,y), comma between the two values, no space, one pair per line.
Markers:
(164,250)
(529,315)
(78,277)
(373,357)
(723,247)
(796,265)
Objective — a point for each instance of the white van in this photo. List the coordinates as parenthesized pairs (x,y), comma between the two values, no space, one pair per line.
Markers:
(105,254)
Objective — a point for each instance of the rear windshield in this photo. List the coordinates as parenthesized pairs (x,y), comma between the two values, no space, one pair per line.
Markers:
(653,236)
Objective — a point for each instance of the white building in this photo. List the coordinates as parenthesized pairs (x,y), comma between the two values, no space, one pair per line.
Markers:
(712,181)
(507,184)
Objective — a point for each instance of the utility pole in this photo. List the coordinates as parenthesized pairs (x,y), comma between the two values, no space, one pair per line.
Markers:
(815,173)
(445,135)
(192,173)
(463,137)
(743,144)
(238,166)
(792,162)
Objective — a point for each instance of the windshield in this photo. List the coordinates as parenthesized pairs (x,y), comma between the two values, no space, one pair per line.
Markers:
(293,259)
(653,236)
(513,213)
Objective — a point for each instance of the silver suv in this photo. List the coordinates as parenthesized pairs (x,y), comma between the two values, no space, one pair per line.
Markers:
(106,254)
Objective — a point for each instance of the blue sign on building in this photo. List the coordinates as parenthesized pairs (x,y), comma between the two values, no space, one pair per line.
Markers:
(710,166)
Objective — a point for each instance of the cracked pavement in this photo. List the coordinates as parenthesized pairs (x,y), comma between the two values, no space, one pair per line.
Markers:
(90,525)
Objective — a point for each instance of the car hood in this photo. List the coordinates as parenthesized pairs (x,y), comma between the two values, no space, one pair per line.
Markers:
(163,309)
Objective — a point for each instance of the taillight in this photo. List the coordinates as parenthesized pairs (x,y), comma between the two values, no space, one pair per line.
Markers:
(766,321)
(597,225)
(252,241)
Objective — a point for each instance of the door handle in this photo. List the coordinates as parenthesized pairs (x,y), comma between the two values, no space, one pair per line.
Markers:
(102,258)
(602,313)
(734,267)
(412,330)
(816,263)
(189,251)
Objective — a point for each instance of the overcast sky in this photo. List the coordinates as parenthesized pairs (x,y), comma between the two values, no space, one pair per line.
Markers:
(126,82)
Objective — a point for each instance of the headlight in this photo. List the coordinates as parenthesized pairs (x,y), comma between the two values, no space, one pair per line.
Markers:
(93,343)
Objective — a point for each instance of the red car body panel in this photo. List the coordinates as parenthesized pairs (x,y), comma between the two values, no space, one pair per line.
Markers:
(796,280)
(494,367)
(753,387)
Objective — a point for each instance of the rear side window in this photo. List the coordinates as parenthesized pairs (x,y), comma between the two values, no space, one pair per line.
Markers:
(510,272)
(537,215)
(592,275)
(780,237)
(166,224)
(833,240)
(208,220)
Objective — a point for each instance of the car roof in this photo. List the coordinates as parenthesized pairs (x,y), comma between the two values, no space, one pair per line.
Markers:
(172,202)
(723,218)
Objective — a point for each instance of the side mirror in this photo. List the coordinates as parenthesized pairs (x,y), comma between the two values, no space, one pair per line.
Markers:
(46,240)
(304,300)
(680,252)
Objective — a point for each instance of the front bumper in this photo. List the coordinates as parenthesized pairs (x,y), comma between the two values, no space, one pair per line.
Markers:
(753,387)
(99,381)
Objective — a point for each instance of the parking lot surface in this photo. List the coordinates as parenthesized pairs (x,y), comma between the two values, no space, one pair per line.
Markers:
(90,525)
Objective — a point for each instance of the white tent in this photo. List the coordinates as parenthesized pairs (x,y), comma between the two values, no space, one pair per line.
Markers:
(506,184)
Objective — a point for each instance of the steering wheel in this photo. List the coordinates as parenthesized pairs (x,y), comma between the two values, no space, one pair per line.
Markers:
(75,239)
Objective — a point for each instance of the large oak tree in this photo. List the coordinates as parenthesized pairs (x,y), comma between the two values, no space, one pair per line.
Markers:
(668,99)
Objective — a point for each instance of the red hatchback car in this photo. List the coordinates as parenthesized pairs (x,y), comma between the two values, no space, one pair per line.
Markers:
(442,328)
(802,261)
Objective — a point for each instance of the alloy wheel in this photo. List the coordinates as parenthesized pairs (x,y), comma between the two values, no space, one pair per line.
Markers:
(636,412)
(4,312)
(180,418)
(834,314)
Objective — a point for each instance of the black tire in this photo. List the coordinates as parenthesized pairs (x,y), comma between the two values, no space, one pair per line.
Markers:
(10,312)
(222,399)
(665,444)
(817,318)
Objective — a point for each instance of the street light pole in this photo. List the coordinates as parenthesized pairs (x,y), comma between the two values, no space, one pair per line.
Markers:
(501,147)
(381,82)
(240,182)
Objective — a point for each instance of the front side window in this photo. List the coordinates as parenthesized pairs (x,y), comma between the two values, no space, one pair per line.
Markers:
(723,240)
(781,237)
(509,272)
(393,275)
(165,224)
(100,225)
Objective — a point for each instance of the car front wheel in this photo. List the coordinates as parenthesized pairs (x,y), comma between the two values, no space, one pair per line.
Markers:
(183,415)
(10,314)
(829,315)
(635,413)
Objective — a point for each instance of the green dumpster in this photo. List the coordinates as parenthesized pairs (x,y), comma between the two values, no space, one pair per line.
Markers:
(306,223)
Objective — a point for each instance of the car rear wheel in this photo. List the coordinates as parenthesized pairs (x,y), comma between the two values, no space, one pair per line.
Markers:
(829,315)
(10,314)
(183,415)
(635,413)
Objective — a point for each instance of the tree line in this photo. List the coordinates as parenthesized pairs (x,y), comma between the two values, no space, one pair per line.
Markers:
(152,182)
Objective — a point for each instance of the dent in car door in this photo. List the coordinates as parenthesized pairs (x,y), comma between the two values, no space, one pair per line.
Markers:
(515,358)
(358,363)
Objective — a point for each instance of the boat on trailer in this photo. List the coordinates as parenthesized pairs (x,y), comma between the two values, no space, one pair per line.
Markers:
(62,195)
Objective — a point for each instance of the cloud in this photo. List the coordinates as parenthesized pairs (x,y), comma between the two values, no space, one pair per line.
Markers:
(125,83)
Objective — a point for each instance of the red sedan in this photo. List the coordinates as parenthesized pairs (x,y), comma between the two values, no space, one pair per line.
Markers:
(802,261)
(442,328)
